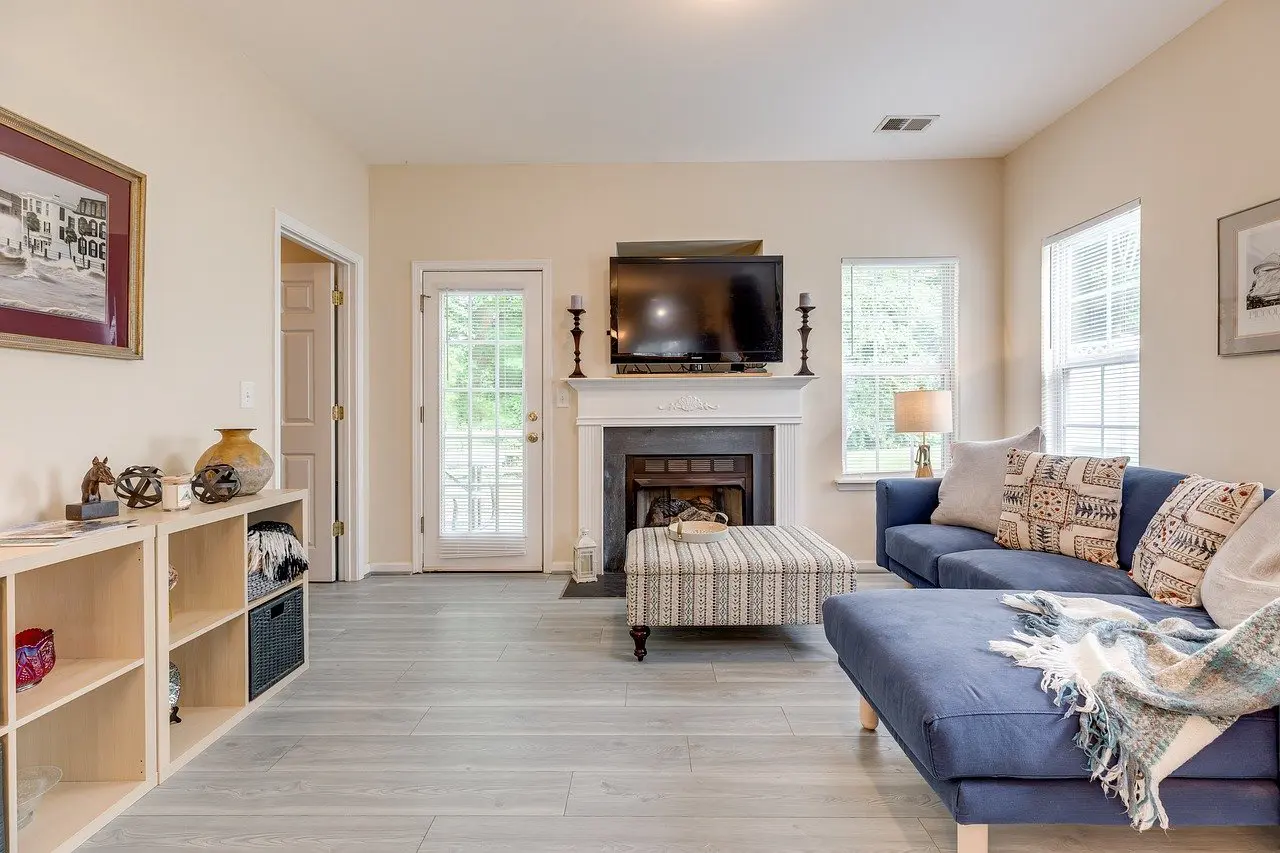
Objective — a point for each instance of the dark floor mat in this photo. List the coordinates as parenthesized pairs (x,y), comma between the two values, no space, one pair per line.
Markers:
(608,585)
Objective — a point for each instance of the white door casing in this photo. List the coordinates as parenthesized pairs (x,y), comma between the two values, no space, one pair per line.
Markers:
(307,446)
(480,445)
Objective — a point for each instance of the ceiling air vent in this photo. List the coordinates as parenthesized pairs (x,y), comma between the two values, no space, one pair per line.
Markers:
(905,124)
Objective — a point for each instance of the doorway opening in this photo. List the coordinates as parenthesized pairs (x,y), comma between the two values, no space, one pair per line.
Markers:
(319,394)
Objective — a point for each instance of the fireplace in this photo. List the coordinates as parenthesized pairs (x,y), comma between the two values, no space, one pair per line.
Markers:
(664,489)
(654,473)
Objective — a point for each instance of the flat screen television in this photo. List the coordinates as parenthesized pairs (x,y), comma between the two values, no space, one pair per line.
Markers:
(705,309)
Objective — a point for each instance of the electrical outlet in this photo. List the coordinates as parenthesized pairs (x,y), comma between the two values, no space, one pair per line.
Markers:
(562,397)
(246,395)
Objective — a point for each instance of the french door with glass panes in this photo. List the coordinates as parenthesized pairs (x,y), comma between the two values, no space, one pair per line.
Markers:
(482,426)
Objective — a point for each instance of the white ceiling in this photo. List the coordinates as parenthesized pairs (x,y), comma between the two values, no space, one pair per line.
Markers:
(578,81)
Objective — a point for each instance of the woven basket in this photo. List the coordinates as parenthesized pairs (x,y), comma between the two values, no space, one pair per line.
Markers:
(276,641)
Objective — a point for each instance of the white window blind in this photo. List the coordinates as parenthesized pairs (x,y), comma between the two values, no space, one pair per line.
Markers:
(899,333)
(1091,371)
(482,477)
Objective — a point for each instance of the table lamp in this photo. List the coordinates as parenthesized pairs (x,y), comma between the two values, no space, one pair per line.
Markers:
(923,412)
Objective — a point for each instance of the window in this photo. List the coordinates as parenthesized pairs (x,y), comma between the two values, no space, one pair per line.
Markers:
(1092,276)
(482,423)
(899,332)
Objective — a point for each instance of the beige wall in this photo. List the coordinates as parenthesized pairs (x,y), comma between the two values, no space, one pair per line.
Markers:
(221,150)
(1189,132)
(814,214)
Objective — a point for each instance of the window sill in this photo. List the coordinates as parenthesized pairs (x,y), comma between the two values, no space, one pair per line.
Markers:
(867,483)
(864,482)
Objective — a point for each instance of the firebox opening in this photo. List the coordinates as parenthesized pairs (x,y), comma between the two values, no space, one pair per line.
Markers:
(664,489)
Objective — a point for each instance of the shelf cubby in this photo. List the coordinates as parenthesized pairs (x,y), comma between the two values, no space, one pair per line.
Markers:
(210,562)
(96,606)
(102,742)
(215,688)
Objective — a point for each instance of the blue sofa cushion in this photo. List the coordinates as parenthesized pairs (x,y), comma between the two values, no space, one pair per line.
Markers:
(1142,495)
(964,711)
(918,546)
(1031,570)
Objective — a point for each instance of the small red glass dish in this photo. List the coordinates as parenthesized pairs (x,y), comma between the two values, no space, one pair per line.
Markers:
(35,656)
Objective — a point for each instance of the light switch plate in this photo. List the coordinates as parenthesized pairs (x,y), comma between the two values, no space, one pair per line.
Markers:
(246,395)
(562,397)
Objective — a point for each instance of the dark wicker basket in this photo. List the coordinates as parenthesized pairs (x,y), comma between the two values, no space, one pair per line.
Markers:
(276,642)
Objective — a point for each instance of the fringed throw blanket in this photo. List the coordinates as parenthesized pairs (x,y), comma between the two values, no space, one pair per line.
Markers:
(274,550)
(1149,695)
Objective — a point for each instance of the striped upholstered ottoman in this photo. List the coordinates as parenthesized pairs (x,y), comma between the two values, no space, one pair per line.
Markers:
(758,576)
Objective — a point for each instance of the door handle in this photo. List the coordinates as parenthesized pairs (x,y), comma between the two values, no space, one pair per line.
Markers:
(533,417)
(532,438)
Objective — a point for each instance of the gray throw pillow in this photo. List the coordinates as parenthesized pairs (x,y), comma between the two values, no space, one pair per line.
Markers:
(1244,576)
(973,486)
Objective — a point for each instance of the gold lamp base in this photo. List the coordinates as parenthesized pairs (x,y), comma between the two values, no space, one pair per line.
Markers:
(924,464)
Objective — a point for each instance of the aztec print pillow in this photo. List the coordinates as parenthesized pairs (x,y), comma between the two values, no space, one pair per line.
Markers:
(1194,522)
(1062,505)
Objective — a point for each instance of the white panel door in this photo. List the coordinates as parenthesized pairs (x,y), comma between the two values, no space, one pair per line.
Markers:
(482,426)
(307,446)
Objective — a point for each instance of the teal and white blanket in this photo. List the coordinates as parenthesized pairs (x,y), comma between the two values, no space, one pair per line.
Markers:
(1149,695)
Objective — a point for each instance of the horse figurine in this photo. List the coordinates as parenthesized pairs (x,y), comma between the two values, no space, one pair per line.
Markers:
(98,475)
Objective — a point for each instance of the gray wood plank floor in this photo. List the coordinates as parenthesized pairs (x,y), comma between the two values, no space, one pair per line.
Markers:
(469,713)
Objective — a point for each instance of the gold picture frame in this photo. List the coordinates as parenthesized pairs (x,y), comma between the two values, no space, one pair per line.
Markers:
(57,304)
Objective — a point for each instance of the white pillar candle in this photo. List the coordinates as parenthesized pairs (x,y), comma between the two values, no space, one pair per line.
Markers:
(575,302)
(806,300)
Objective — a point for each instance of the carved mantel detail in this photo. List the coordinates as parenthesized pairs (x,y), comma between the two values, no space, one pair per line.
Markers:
(688,403)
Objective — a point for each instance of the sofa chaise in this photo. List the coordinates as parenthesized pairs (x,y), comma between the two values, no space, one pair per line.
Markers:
(979,729)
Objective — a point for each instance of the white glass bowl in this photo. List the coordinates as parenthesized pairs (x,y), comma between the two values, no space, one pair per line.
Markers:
(34,783)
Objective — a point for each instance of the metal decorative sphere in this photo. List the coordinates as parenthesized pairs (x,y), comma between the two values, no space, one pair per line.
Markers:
(215,484)
(139,486)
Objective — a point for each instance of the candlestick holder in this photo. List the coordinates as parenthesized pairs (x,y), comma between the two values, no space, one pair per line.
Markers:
(804,341)
(577,343)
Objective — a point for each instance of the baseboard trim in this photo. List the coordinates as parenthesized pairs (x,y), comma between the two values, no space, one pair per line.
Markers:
(390,569)
(561,567)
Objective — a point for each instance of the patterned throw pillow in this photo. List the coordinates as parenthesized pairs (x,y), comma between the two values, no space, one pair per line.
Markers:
(1063,505)
(1194,522)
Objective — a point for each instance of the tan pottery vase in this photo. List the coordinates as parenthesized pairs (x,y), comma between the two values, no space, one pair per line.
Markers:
(251,461)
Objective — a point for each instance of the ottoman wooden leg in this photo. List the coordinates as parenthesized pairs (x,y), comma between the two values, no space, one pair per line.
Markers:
(870,719)
(640,633)
(971,838)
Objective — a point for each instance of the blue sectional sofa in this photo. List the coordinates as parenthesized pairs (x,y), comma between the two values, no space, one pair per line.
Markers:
(979,729)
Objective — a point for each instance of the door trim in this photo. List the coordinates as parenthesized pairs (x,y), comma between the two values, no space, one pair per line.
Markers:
(352,464)
(420,268)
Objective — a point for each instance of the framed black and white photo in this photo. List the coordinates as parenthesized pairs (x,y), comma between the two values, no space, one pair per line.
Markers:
(71,242)
(1249,280)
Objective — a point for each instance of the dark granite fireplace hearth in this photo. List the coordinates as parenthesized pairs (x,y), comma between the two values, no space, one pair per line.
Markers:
(728,468)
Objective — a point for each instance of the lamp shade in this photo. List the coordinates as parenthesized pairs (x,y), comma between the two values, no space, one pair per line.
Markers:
(922,411)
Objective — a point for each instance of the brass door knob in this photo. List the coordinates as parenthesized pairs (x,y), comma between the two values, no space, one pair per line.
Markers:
(533,417)
(532,437)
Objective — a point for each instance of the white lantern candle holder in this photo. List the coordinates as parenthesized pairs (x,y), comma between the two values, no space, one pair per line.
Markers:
(586,558)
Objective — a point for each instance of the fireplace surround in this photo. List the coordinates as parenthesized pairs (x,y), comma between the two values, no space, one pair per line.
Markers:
(711,408)
(693,458)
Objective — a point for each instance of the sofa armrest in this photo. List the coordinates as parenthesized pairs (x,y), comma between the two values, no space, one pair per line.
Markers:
(902,500)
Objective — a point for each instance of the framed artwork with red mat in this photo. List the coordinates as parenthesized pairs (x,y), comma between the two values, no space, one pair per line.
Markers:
(71,237)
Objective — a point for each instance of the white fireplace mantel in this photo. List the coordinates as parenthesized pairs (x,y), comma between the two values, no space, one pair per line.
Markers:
(688,400)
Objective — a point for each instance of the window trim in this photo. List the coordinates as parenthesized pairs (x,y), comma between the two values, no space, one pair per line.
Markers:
(866,480)
(1054,422)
